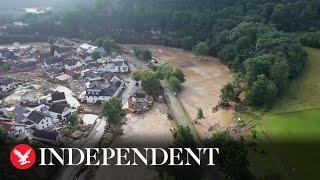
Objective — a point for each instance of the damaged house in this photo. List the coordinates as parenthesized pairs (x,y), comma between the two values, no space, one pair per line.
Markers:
(140,102)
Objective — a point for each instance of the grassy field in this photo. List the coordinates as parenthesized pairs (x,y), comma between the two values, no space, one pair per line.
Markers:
(289,135)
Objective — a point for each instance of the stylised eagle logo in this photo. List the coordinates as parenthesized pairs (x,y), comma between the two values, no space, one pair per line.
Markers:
(22,156)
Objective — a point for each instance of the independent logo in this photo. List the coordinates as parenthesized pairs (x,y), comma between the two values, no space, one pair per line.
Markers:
(22,156)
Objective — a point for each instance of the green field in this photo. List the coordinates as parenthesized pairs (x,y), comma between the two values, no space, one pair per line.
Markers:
(301,126)
(289,135)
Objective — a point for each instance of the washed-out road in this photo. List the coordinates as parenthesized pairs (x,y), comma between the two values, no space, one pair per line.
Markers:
(178,111)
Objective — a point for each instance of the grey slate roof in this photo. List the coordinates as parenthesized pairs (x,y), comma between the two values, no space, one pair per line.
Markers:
(6,81)
(20,110)
(108,91)
(58,96)
(57,108)
(35,117)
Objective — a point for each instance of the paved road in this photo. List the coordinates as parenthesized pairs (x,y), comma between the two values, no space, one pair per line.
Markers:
(178,111)
(70,172)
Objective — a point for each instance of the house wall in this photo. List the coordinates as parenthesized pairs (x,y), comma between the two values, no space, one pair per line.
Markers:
(96,99)
(44,123)
(54,117)
(64,116)
(6,88)
(17,130)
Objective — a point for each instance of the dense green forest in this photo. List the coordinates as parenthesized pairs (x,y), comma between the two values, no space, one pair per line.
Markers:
(253,37)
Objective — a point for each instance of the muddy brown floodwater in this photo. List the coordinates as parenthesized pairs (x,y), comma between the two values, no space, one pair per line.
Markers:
(205,78)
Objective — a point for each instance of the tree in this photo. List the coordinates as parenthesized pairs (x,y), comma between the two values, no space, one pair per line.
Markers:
(3,136)
(73,122)
(185,138)
(51,40)
(263,92)
(99,42)
(187,43)
(138,75)
(228,93)
(96,55)
(175,84)
(311,39)
(179,74)
(228,53)
(164,71)
(5,68)
(52,49)
(280,73)
(151,84)
(200,114)
(112,110)
(201,49)
(110,46)
(232,161)
(142,53)
(258,65)
(146,55)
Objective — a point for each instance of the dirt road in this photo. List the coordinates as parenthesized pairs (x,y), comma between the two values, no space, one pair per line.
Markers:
(181,116)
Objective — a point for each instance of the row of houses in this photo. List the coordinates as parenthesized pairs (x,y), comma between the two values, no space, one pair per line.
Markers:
(70,62)
(19,132)
(33,123)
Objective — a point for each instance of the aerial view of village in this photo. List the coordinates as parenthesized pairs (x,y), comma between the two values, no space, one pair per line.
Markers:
(242,76)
